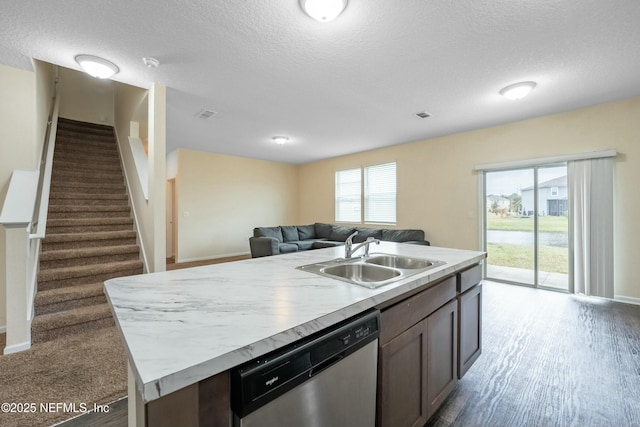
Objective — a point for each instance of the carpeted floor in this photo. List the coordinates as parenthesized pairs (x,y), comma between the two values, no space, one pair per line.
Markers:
(85,368)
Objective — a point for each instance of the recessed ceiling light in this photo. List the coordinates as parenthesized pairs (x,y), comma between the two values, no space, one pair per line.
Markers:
(96,66)
(280,140)
(323,10)
(150,62)
(518,90)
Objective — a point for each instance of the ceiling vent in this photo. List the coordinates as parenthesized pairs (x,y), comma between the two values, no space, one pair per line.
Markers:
(205,114)
(423,115)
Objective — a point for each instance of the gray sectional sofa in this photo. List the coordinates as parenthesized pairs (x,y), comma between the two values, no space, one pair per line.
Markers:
(284,239)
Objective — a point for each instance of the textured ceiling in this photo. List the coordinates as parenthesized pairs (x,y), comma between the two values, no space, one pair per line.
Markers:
(350,85)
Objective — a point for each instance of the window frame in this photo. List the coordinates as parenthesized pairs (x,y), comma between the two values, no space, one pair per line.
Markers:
(363,195)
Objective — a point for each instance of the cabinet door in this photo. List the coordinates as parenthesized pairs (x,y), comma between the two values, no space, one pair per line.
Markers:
(402,371)
(441,355)
(470,318)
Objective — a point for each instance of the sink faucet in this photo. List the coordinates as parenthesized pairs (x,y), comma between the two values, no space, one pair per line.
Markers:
(349,249)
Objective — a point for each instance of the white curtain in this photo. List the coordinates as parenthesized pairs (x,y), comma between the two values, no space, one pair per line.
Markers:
(591,209)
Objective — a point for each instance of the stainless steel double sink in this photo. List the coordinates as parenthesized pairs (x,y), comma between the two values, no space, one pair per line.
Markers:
(373,271)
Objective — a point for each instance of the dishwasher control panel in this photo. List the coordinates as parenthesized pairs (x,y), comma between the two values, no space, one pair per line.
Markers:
(261,380)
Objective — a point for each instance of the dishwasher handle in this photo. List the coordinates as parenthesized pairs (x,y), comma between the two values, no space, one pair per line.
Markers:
(326,364)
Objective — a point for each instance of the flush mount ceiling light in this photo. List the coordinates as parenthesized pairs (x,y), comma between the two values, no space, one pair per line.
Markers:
(97,67)
(280,140)
(518,90)
(323,10)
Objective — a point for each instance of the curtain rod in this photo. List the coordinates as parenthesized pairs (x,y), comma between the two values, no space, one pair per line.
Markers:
(516,164)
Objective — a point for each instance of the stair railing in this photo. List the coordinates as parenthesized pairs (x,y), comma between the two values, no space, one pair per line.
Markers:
(24,216)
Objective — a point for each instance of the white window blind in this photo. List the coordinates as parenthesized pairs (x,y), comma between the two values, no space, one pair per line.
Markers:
(380,193)
(348,195)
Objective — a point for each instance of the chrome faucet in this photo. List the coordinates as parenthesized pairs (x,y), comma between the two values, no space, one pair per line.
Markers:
(349,249)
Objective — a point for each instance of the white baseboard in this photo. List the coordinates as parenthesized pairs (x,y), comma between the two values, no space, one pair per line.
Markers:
(628,300)
(3,329)
(16,348)
(212,257)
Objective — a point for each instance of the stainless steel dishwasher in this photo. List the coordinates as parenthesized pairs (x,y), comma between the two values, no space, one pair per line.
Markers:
(325,380)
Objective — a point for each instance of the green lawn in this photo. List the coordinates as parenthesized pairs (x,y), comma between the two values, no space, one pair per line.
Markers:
(551,224)
(551,258)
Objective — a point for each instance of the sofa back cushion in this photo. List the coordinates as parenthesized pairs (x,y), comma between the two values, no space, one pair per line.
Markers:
(275,232)
(340,234)
(402,235)
(306,232)
(323,231)
(364,233)
(289,233)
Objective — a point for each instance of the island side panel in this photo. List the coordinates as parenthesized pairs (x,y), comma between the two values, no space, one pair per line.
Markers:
(204,404)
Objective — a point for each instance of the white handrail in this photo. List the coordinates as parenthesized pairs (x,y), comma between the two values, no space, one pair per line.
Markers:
(50,145)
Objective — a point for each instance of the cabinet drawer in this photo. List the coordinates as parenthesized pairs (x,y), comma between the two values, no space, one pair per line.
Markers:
(469,278)
(407,313)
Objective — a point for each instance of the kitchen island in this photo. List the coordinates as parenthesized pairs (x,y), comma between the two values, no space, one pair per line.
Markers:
(182,328)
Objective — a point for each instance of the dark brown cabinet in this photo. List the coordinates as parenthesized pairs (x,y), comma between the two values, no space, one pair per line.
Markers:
(418,356)
(469,317)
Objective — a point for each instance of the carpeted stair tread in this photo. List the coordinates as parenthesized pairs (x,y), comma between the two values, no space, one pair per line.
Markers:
(110,167)
(87,252)
(86,225)
(58,195)
(98,235)
(88,255)
(89,187)
(64,123)
(52,274)
(86,173)
(83,156)
(96,147)
(88,208)
(88,222)
(53,296)
(47,322)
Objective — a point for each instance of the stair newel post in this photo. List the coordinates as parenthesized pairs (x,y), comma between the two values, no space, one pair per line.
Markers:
(17,275)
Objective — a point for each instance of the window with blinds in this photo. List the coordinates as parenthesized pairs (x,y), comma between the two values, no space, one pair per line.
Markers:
(348,195)
(378,183)
(380,193)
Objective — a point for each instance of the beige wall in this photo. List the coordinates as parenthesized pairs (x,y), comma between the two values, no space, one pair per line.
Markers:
(86,98)
(438,188)
(220,199)
(25,101)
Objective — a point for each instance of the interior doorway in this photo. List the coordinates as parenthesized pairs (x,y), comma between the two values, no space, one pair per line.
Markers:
(170,213)
(526,226)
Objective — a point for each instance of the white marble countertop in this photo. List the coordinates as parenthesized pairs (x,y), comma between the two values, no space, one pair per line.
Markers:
(183,326)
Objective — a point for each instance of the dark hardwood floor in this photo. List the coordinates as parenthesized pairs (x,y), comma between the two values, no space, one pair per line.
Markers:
(549,359)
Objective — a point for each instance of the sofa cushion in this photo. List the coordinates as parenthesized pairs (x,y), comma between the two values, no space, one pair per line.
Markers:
(320,244)
(290,233)
(275,232)
(364,233)
(306,232)
(340,234)
(323,231)
(286,248)
(402,235)
(304,245)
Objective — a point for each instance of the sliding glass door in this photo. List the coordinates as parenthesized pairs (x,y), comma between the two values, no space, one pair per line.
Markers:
(526,226)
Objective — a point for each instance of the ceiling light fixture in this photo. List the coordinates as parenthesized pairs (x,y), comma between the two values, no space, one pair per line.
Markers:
(323,10)
(150,62)
(518,90)
(96,66)
(280,140)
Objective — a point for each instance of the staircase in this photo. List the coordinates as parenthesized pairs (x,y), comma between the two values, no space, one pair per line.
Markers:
(90,234)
